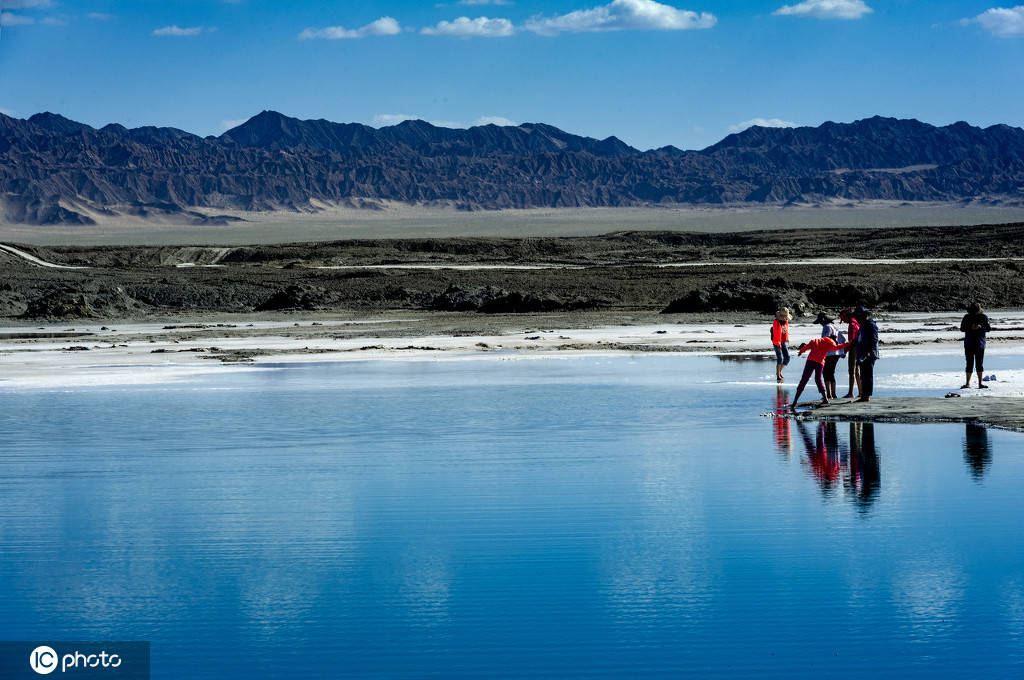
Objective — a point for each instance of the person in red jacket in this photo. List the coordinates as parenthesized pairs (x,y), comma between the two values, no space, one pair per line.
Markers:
(819,349)
(851,355)
(780,341)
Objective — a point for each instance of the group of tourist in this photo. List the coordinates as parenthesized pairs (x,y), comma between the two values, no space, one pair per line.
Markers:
(855,338)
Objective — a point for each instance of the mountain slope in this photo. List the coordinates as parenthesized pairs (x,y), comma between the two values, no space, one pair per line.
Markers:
(54,170)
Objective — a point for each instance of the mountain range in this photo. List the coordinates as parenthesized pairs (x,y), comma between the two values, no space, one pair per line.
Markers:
(56,170)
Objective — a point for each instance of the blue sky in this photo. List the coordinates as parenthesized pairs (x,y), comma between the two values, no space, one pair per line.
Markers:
(686,72)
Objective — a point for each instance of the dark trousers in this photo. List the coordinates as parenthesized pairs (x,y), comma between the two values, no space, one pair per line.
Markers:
(811,368)
(830,368)
(867,377)
(976,357)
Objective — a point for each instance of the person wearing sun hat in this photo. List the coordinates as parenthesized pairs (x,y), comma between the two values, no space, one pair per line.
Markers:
(830,330)
(780,341)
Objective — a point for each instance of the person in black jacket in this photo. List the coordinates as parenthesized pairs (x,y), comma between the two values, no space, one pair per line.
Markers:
(974,326)
(867,352)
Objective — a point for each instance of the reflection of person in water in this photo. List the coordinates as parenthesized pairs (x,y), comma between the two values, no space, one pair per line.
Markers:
(977,450)
(822,460)
(783,443)
(865,472)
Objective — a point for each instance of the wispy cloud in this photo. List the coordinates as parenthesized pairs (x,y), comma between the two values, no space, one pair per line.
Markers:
(226,125)
(622,15)
(826,9)
(464,27)
(12,19)
(389,119)
(382,26)
(494,120)
(762,122)
(8,112)
(100,16)
(1001,21)
(176,30)
(54,21)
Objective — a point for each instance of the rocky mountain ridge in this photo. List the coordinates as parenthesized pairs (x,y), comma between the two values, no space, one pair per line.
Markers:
(55,170)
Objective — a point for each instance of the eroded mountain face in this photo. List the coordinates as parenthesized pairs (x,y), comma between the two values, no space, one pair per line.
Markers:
(54,170)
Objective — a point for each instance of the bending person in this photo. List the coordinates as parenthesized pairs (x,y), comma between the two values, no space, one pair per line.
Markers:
(974,326)
(819,349)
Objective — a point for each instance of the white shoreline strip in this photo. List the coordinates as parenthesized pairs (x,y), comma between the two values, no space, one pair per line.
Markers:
(35,260)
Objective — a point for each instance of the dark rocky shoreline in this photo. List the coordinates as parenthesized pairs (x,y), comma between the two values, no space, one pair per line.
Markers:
(629,271)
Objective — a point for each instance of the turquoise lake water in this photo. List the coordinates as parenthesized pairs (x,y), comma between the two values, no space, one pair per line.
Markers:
(583,517)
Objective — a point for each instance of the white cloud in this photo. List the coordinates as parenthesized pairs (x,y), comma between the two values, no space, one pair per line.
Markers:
(620,15)
(389,119)
(762,122)
(100,16)
(54,21)
(494,120)
(464,27)
(176,30)
(826,9)
(1001,21)
(382,26)
(226,125)
(11,19)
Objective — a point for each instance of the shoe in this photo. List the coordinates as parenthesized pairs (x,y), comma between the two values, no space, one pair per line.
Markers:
(864,399)
(983,387)
(965,387)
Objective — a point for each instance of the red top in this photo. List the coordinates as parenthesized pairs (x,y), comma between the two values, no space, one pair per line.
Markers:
(854,331)
(780,332)
(820,347)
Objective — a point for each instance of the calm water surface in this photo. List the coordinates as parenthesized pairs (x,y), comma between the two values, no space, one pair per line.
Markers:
(577,517)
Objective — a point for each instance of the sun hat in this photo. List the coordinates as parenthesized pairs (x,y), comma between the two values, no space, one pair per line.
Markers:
(823,319)
(783,314)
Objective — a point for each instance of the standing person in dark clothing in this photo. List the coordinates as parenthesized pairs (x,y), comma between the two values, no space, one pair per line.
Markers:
(867,351)
(974,326)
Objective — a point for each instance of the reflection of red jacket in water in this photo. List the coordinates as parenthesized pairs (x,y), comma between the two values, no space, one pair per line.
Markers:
(782,436)
(824,464)
(820,347)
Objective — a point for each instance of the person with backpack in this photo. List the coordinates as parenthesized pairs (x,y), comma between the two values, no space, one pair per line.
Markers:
(830,330)
(780,341)
(867,352)
(974,326)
